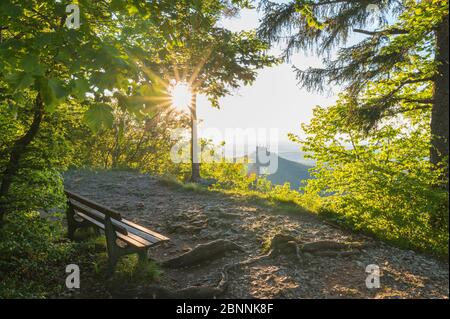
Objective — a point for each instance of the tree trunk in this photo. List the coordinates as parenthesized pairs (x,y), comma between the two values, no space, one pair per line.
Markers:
(440,115)
(195,163)
(16,153)
(116,148)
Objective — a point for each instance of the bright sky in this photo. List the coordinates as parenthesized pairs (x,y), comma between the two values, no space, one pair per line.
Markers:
(273,101)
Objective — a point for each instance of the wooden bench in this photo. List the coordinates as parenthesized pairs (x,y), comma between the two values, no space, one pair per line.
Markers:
(123,237)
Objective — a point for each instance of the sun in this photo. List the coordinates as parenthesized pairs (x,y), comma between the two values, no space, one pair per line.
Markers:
(181,96)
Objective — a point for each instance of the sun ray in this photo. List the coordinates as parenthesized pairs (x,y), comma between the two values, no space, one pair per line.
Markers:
(179,88)
(192,79)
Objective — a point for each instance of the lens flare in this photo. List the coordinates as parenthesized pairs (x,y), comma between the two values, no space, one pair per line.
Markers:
(181,96)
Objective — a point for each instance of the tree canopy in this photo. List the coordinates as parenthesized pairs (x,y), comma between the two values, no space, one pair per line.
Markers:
(123,55)
(400,64)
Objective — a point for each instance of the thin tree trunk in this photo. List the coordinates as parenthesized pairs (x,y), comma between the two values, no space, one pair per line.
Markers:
(116,148)
(195,175)
(440,110)
(17,151)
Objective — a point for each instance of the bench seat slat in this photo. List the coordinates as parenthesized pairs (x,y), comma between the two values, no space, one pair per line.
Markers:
(156,236)
(123,237)
(137,233)
(123,226)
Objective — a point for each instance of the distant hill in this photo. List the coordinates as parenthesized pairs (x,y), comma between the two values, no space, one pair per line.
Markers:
(288,171)
(291,151)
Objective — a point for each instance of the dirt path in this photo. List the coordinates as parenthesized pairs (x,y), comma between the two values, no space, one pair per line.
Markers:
(191,218)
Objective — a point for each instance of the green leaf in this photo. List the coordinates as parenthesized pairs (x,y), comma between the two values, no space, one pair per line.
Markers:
(48,96)
(58,89)
(52,92)
(30,64)
(11,9)
(20,80)
(132,9)
(99,116)
(80,89)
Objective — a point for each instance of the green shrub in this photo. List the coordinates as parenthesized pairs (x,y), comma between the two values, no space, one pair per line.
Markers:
(33,256)
(381,183)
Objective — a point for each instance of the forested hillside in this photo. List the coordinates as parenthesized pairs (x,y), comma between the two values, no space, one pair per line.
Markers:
(296,174)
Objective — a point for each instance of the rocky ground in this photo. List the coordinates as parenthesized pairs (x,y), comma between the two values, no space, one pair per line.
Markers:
(192,218)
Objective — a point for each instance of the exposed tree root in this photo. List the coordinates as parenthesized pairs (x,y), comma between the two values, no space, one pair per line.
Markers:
(202,253)
(326,245)
(331,253)
(223,284)
(280,244)
(183,229)
(288,245)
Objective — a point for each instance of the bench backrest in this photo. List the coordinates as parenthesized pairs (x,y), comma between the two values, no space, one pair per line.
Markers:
(100,208)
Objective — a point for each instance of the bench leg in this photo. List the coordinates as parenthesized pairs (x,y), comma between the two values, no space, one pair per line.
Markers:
(73,224)
(71,227)
(111,246)
(97,230)
(112,263)
(143,255)
(114,251)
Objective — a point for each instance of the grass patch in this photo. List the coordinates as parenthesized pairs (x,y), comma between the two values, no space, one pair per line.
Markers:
(170,181)
(174,183)
(131,269)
